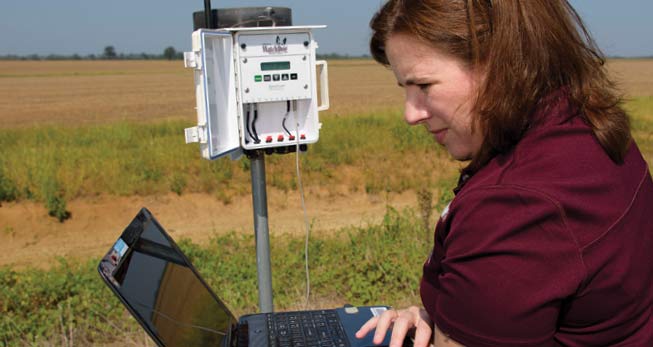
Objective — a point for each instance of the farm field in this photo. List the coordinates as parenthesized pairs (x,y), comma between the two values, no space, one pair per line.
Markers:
(90,95)
(105,138)
(82,99)
(96,92)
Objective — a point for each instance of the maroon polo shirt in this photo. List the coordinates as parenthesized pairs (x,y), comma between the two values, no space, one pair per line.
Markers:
(548,245)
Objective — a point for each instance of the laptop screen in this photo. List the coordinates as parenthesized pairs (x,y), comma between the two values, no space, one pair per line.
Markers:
(146,269)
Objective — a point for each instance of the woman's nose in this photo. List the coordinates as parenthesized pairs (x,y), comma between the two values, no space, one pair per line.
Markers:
(414,111)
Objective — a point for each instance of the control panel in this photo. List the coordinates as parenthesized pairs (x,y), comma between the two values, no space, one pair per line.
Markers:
(275,67)
(256,88)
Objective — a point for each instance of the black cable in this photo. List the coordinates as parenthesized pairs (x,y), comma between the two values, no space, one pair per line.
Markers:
(256,138)
(249,132)
(283,123)
(247,123)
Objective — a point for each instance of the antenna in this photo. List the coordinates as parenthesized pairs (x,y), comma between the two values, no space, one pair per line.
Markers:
(208,15)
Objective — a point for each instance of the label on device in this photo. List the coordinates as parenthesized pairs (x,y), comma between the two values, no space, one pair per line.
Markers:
(377,311)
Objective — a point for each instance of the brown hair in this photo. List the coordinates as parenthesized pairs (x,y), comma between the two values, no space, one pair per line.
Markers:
(528,49)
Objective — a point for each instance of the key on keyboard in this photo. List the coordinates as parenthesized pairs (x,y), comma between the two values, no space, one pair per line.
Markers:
(306,329)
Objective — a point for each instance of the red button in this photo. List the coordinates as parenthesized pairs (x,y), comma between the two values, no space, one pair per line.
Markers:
(280,138)
(292,137)
(268,139)
(302,137)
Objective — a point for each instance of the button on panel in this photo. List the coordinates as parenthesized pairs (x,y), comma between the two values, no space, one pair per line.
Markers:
(276,77)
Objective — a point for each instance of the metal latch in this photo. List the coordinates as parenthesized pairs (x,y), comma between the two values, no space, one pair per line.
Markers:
(190,60)
(192,134)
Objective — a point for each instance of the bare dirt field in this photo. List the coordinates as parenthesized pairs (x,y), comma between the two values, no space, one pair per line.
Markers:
(92,92)
(633,76)
(31,238)
(95,92)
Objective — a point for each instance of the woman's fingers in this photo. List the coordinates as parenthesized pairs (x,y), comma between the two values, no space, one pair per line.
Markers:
(404,323)
(423,336)
(413,318)
(367,327)
(385,321)
(423,328)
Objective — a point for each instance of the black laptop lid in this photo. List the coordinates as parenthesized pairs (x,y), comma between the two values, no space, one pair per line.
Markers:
(153,278)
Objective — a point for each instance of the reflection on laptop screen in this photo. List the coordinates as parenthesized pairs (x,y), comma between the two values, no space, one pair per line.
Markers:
(155,280)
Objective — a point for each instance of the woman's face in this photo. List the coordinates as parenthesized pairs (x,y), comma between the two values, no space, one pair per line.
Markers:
(440,93)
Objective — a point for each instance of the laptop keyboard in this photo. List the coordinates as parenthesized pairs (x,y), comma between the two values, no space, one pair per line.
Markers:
(306,329)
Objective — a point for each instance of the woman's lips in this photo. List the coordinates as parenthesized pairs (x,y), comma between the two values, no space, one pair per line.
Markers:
(440,135)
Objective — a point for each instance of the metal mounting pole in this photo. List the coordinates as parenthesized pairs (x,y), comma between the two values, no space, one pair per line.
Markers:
(250,17)
(260,201)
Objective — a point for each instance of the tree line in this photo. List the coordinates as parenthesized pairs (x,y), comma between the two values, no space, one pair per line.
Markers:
(110,53)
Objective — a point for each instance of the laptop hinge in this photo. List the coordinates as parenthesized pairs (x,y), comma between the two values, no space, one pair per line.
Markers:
(242,335)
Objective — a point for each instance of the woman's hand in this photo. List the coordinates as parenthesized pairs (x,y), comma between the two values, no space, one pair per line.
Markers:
(401,321)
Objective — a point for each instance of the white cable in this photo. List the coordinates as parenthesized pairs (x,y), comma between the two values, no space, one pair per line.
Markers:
(301,193)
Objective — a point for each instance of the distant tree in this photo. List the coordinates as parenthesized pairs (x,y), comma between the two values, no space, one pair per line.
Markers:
(109,52)
(170,53)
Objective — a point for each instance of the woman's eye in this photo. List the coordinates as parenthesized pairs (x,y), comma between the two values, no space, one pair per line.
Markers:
(424,86)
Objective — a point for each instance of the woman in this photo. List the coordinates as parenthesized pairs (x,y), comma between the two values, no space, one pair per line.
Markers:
(549,239)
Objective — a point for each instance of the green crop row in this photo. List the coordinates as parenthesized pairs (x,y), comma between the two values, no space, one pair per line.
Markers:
(374,153)
(69,304)
(641,110)
(54,164)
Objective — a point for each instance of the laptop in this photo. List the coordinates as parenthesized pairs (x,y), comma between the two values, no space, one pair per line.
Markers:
(167,296)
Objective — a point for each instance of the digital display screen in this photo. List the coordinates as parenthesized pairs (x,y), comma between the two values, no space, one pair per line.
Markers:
(275,65)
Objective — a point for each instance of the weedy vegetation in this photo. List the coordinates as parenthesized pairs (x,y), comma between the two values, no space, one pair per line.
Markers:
(69,305)
(374,153)
(53,164)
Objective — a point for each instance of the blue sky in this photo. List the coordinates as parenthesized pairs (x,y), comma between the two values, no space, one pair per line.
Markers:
(133,26)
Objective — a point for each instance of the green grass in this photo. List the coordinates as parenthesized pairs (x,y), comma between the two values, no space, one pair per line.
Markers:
(641,110)
(374,153)
(56,164)
(70,301)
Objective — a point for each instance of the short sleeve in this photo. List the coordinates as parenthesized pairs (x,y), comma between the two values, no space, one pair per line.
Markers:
(501,269)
